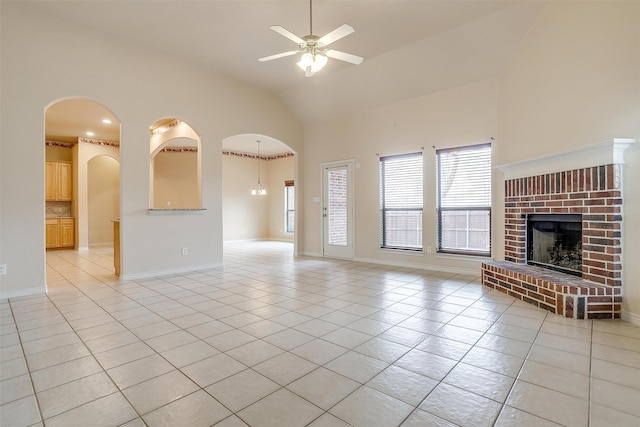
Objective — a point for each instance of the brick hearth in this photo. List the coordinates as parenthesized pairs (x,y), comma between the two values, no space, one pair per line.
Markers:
(560,293)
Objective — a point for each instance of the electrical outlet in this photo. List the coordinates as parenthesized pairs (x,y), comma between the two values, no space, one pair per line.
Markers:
(3,269)
(428,249)
(184,251)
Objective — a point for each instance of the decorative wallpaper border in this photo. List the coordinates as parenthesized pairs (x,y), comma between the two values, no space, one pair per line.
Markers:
(255,156)
(99,142)
(179,150)
(61,144)
(51,143)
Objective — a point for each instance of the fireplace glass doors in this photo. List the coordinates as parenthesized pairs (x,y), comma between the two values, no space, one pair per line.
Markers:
(555,242)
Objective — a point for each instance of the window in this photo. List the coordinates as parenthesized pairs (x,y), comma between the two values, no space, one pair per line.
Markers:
(464,200)
(289,206)
(401,181)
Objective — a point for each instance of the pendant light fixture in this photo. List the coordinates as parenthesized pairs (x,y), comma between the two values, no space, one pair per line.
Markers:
(258,189)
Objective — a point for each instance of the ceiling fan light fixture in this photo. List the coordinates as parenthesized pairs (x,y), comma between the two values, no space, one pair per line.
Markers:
(313,48)
(319,61)
(306,60)
(312,63)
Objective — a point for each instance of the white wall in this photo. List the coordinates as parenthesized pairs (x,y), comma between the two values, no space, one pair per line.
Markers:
(463,116)
(35,72)
(175,180)
(244,216)
(59,154)
(103,190)
(574,82)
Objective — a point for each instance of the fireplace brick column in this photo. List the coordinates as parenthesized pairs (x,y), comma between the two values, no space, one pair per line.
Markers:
(596,194)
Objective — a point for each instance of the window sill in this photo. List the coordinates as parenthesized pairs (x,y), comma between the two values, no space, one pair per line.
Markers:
(191,211)
(401,251)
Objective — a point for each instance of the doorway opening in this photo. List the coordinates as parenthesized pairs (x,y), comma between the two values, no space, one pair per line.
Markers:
(82,154)
(246,159)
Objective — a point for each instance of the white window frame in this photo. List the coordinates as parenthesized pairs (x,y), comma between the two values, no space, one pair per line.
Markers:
(415,203)
(472,187)
(289,185)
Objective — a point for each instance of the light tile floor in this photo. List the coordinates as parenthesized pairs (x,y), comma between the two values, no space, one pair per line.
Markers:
(273,340)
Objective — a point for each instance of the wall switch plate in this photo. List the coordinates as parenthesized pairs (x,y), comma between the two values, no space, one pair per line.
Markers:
(3,269)
(184,251)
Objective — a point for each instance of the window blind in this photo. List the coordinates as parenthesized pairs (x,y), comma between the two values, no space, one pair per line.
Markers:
(401,197)
(464,199)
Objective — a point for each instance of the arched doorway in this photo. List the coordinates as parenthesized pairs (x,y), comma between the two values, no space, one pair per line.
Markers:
(248,158)
(77,130)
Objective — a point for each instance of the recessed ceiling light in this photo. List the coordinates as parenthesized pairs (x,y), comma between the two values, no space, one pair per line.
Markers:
(90,133)
(106,121)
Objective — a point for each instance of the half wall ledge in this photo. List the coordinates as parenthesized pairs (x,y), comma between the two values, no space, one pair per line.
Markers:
(562,294)
(179,211)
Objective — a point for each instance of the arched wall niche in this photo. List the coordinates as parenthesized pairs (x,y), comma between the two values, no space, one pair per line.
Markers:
(174,165)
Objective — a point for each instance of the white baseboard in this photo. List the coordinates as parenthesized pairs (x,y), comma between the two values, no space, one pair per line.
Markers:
(260,239)
(23,292)
(168,272)
(417,266)
(420,266)
(631,317)
(311,254)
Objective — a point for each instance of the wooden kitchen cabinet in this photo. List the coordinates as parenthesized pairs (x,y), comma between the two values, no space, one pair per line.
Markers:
(67,232)
(52,235)
(60,233)
(58,181)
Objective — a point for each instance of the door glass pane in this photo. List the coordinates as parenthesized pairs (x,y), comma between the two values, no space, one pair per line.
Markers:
(337,209)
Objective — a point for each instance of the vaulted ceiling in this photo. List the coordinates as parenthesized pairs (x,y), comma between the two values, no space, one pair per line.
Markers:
(411,47)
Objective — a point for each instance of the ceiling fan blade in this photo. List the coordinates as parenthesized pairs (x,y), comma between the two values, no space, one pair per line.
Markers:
(277,55)
(288,34)
(337,34)
(343,56)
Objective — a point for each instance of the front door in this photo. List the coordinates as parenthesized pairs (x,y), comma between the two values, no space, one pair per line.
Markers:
(337,210)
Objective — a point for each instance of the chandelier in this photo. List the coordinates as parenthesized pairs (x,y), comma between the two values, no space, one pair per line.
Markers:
(258,189)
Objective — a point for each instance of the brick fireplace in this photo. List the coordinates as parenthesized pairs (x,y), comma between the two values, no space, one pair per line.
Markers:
(595,193)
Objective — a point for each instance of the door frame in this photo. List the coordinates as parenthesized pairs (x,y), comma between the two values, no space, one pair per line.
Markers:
(349,253)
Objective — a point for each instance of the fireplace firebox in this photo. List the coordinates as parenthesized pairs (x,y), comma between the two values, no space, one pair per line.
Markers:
(555,242)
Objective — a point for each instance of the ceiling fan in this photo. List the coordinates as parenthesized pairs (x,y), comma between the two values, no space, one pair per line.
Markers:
(313,48)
